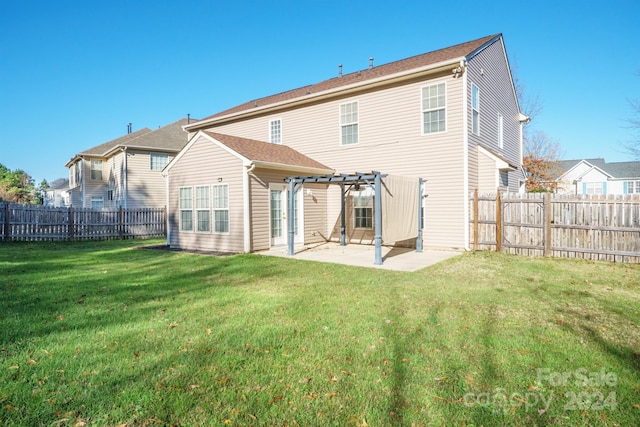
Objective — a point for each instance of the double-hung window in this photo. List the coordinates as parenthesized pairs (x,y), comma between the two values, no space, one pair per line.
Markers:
(221,208)
(363,209)
(203,212)
(434,108)
(633,187)
(475,109)
(96,169)
(97,202)
(159,161)
(275,131)
(349,123)
(186,209)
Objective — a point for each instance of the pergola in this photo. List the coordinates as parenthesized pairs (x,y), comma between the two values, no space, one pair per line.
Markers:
(372,179)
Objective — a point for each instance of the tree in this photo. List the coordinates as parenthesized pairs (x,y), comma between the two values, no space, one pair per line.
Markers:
(540,153)
(16,186)
(540,160)
(633,147)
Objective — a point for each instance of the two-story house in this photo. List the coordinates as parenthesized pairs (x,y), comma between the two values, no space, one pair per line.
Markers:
(126,172)
(596,176)
(449,117)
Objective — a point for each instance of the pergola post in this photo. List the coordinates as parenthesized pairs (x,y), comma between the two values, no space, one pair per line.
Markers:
(291,217)
(377,237)
(343,217)
(420,213)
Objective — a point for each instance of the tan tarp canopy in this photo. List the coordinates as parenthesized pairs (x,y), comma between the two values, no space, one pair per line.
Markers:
(400,205)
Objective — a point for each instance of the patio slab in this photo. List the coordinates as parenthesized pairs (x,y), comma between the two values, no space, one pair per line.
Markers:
(400,259)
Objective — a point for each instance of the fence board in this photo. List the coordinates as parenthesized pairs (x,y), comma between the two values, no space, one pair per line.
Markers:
(35,222)
(593,227)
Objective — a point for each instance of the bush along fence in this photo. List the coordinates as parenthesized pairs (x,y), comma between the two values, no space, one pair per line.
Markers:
(35,222)
(594,227)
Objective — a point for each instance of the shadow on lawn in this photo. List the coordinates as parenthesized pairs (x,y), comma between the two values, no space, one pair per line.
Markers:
(56,289)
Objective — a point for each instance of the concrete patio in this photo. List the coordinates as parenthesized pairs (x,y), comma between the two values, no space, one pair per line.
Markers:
(400,259)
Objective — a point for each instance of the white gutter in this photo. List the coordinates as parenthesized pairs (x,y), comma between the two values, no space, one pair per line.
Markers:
(246,207)
(465,159)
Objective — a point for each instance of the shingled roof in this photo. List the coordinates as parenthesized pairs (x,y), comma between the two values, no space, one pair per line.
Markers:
(615,169)
(463,50)
(264,152)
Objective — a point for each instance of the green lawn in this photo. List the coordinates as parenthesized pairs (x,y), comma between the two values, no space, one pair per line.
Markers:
(100,333)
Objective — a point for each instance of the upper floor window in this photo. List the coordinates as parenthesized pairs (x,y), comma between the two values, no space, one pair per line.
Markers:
(475,108)
(434,108)
(500,131)
(275,131)
(96,169)
(349,123)
(159,161)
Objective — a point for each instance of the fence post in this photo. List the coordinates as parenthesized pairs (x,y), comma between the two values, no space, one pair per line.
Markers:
(7,222)
(547,223)
(475,219)
(120,223)
(72,225)
(498,221)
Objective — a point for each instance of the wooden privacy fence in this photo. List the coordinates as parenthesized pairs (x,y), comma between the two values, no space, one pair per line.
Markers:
(574,226)
(35,222)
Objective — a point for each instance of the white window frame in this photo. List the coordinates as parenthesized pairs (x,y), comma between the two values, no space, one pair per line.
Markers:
(203,209)
(349,121)
(366,206)
(96,173)
(275,131)
(185,208)
(97,200)
(153,161)
(220,205)
(432,109)
(594,187)
(633,187)
(475,109)
(500,131)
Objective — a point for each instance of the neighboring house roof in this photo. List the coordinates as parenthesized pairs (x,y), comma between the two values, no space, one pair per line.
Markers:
(170,138)
(59,184)
(441,56)
(615,170)
(265,152)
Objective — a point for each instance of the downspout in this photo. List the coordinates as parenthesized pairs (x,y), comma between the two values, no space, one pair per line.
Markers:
(246,207)
(465,157)
(166,209)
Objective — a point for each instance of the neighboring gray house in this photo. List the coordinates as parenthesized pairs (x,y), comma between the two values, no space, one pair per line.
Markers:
(596,176)
(126,172)
(450,117)
(57,195)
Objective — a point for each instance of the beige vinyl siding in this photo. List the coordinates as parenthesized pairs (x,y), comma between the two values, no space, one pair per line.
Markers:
(93,187)
(315,213)
(259,181)
(196,167)
(116,174)
(487,174)
(390,141)
(145,187)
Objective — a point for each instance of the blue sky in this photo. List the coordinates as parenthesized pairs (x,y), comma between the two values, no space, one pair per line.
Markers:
(73,74)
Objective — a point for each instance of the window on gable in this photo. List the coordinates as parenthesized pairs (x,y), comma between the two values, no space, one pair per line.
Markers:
(475,109)
(159,161)
(186,209)
(96,169)
(203,214)
(500,131)
(221,208)
(434,108)
(275,131)
(363,209)
(349,123)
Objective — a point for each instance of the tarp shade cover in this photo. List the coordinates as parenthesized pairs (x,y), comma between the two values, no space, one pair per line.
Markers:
(399,201)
